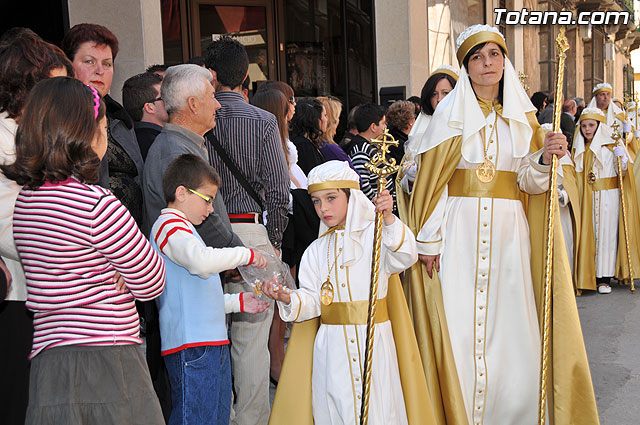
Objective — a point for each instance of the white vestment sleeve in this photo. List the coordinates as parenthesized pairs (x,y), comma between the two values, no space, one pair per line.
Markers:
(400,251)
(429,238)
(305,302)
(533,177)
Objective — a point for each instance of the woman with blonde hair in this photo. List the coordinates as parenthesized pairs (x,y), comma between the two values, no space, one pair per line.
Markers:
(328,146)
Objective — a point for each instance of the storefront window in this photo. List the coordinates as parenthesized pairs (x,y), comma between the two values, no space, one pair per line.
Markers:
(171,32)
(247,24)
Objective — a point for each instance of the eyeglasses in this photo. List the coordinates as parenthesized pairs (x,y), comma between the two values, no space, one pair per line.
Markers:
(292,100)
(207,199)
(155,100)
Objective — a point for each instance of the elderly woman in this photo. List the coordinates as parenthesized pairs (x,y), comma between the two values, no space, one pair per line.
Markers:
(25,59)
(73,238)
(92,50)
(400,119)
(474,290)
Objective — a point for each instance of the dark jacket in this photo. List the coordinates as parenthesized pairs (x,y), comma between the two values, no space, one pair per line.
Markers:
(309,156)
(121,128)
(146,133)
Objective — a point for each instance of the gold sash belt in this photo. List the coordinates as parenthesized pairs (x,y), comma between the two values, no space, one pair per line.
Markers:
(606,183)
(353,313)
(465,183)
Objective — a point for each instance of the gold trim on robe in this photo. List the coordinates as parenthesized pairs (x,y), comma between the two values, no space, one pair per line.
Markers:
(572,400)
(292,403)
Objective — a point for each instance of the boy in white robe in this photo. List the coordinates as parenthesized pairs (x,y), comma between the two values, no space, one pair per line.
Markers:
(334,278)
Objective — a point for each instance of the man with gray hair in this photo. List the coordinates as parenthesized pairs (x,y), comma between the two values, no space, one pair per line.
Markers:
(189,98)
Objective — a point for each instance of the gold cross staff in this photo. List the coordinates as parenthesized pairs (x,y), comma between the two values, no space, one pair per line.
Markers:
(381,167)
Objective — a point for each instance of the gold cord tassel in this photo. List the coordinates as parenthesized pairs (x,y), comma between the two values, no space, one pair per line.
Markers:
(562,45)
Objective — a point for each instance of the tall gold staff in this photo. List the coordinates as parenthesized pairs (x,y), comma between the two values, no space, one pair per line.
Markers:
(380,166)
(562,45)
(616,137)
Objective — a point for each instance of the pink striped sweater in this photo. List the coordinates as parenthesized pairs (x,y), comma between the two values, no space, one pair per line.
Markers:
(72,238)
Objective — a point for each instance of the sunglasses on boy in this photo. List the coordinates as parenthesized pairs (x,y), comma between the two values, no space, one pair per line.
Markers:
(207,199)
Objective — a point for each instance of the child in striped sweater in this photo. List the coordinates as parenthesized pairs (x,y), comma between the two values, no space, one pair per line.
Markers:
(192,308)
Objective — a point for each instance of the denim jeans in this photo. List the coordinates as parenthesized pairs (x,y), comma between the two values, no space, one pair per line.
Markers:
(200,385)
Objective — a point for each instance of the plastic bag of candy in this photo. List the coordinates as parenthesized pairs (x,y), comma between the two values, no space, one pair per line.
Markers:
(276,272)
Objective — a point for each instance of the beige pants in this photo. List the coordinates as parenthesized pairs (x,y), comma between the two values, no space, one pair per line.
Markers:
(249,342)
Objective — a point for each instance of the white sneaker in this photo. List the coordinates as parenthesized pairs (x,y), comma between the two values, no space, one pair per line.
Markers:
(604,289)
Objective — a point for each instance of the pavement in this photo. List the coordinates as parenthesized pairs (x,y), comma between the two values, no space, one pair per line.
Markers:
(611,329)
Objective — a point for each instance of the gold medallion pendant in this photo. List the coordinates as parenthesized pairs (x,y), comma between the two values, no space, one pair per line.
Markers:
(326,293)
(592,177)
(486,171)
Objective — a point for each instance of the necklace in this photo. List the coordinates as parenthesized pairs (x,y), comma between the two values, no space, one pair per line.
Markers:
(487,170)
(326,290)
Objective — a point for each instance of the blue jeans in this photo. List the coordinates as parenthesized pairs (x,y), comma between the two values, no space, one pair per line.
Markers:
(200,385)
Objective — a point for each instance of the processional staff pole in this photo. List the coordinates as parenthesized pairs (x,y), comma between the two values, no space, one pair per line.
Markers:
(617,138)
(382,167)
(562,46)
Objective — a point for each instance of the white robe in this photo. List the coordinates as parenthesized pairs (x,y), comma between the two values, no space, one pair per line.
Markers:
(338,353)
(606,209)
(487,290)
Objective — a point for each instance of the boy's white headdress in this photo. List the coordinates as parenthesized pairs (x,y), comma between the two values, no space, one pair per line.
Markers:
(459,113)
(600,138)
(613,112)
(360,213)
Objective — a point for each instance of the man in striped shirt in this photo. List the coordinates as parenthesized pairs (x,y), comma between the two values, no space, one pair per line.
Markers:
(250,138)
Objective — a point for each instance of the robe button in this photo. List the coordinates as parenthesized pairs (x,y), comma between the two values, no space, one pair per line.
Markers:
(343,285)
(358,397)
(342,267)
(353,340)
(481,308)
(479,391)
(357,379)
(482,291)
(484,241)
(484,258)
(490,156)
(354,359)
(479,324)
(486,208)
(484,225)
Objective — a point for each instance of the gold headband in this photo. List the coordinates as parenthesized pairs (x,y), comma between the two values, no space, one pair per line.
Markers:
(596,117)
(479,38)
(602,89)
(445,71)
(334,184)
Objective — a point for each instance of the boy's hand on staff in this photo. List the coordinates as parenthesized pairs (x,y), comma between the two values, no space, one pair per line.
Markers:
(384,204)
(276,292)
(252,304)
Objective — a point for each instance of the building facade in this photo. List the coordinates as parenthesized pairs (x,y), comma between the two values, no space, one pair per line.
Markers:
(350,49)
